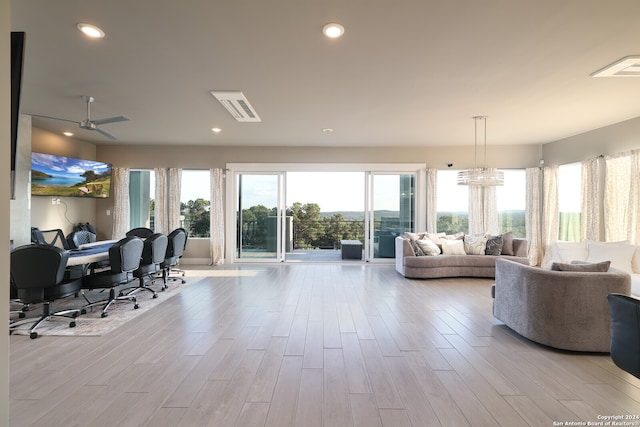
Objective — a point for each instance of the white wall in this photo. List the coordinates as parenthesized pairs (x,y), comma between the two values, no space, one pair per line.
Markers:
(5,150)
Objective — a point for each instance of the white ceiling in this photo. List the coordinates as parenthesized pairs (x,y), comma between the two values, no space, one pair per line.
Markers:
(405,73)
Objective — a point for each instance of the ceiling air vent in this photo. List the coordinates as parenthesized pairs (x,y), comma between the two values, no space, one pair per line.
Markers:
(628,66)
(237,104)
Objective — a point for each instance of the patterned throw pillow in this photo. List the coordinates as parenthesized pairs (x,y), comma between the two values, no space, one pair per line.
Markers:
(475,245)
(428,246)
(416,249)
(494,245)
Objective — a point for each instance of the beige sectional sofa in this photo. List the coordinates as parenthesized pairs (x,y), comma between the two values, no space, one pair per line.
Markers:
(567,310)
(430,267)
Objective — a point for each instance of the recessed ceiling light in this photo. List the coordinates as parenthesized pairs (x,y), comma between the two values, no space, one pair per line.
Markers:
(327,130)
(216,130)
(91,30)
(333,30)
(67,133)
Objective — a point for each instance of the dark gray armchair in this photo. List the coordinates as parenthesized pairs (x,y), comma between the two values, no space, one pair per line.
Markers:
(625,332)
(124,259)
(38,274)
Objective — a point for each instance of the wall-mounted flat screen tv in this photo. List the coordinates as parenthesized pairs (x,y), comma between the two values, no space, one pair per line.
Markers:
(68,177)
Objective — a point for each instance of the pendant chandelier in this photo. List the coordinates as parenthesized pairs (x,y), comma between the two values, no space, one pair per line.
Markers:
(480,176)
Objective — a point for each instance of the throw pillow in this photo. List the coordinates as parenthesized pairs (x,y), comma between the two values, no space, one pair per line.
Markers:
(507,243)
(494,245)
(457,236)
(417,250)
(620,254)
(453,247)
(590,267)
(475,245)
(436,238)
(569,251)
(427,246)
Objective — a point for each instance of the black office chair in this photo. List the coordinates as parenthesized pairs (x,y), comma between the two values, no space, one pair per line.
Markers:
(142,232)
(54,237)
(124,259)
(175,249)
(38,273)
(625,332)
(155,247)
(80,237)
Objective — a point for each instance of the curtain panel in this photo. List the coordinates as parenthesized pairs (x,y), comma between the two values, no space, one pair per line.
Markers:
(160,224)
(432,197)
(550,210)
(216,217)
(121,208)
(173,199)
(590,188)
(533,215)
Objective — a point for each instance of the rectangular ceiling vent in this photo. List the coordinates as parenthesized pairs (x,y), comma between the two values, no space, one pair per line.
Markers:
(237,104)
(626,67)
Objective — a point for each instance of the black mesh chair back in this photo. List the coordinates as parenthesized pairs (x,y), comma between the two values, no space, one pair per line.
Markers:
(142,232)
(126,254)
(53,237)
(625,332)
(80,237)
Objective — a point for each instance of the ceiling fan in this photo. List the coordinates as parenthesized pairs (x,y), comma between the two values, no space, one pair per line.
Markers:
(88,123)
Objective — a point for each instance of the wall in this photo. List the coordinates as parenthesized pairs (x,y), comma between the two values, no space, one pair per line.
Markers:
(71,210)
(613,139)
(5,150)
(20,220)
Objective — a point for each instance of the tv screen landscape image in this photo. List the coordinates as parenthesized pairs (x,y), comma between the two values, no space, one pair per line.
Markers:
(68,177)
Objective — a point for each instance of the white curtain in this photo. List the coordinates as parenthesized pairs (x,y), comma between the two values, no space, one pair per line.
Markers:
(533,215)
(483,210)
(121,207)
(217,217)
(173,211)
(160,211)
(590,188)
(621,197)
(550,209)
(432,208)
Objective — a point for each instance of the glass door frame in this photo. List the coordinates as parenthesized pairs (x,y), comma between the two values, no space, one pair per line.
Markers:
(231,196)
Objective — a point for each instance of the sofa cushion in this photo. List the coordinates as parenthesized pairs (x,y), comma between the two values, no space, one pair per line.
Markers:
(586,267)
(427,246)
(453,247)
(475,245)
(620,254)
(494,245)
(507,243)
(569,251)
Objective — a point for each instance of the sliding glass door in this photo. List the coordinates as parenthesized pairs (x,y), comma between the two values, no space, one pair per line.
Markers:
(391,211)
(259,216)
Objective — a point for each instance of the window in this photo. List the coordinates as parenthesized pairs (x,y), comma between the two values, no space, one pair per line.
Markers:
(569,201)
(141,195)
(452,203)
(511,199)
(195,206)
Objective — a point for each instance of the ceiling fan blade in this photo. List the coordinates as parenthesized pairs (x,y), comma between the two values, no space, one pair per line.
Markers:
(54,118)
(105,133)
(110,120)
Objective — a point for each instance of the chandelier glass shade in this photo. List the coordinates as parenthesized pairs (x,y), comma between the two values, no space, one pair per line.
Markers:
(481,176)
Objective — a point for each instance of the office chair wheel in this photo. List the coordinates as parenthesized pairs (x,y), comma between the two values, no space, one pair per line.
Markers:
(104,314)
(83,311)
(21,315)
(155,295)
(72,324)
(75,314)
(33,335)
(121,294)
(136,306)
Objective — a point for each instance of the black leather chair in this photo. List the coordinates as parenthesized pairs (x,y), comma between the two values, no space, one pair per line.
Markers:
(625,332)
(38,274)
(175,249)
(153,252)
(80,237)
(54,237)
(124,259)
(142,232)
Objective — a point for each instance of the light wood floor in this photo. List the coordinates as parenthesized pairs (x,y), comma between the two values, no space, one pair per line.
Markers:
(313,345)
